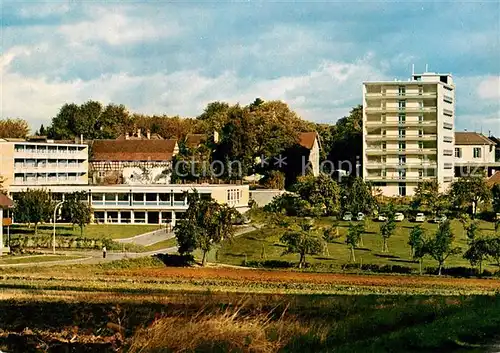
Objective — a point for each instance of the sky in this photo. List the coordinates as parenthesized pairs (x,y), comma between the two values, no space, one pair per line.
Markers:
(175,57)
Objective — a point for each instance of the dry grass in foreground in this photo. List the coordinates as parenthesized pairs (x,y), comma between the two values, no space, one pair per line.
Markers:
(227,331)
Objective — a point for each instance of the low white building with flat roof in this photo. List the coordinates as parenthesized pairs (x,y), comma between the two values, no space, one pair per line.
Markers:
(145,204)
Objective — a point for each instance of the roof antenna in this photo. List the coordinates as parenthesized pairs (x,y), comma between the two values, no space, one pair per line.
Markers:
(413,69)
(426,67)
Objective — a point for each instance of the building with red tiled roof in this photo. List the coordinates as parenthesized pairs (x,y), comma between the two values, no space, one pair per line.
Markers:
(195,140)
(136,161)
(474,154)
(311,142)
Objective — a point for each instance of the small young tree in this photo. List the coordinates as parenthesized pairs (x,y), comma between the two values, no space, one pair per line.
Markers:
(472,230)
(353,238)
(416,239)
(441,246)
(477,252)
(495,198)
(387,228)
(464,219)
(494,250)
(34,206)
(302,242)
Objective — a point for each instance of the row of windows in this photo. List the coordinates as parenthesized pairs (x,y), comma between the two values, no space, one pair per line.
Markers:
(476,152)
(402,145)
(401,118)
(234,196)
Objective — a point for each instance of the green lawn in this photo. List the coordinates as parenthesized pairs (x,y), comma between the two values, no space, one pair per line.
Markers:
(251,245)
(113,231)
(11,260)
(162,245)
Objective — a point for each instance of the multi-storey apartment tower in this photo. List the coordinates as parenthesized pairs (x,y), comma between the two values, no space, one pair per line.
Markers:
(408,132)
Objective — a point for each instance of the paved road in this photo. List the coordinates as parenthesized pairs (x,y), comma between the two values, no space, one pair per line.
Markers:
(95,256)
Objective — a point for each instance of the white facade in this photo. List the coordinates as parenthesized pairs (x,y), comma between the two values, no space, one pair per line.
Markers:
(147,204)
(408,133)
(43,163)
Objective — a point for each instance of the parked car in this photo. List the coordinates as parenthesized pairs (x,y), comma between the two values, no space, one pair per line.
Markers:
(347,216)
(360,216)
(420,217)
(382,217)
(398,217)
(440,218)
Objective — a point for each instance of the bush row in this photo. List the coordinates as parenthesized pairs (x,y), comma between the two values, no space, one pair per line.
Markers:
(45,241)
(374,268)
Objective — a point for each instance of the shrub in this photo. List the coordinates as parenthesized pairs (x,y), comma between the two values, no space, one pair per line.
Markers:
(269,264)
(175,260)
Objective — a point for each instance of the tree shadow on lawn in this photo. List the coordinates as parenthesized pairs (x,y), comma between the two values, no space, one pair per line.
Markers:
(363,249)
(387,256)
(324,258)
(404,261)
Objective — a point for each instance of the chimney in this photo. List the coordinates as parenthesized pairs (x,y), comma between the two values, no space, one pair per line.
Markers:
(138,133)
(148,134)
(81,139)
(127,136)
(76,139)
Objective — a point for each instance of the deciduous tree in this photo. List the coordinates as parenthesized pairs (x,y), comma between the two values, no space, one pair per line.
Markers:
(427,194)
(441,246)
(358,196)
(206,223)
(468,192)
(387,228)
(34,206)
(302,241)
(76,210)
(14,128)
(477,252)
(353,238)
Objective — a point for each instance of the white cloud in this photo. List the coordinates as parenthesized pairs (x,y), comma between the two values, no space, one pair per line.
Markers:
(333,87)
(41,9)
(489,88)
(118,29)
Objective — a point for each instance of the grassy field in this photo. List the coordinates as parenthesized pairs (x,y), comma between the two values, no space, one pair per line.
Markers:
(142,306)
(252,246)
(161,245)
(98,231)
(10,260)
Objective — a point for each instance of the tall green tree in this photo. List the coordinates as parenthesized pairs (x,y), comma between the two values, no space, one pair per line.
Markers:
(441,246)
(34,206)
(302,241)
(427,194)
(358,196)
(321,192)
(206,224)
(76,210)
(468,192)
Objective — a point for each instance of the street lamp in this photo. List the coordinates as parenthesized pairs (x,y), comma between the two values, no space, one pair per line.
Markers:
(54,232)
